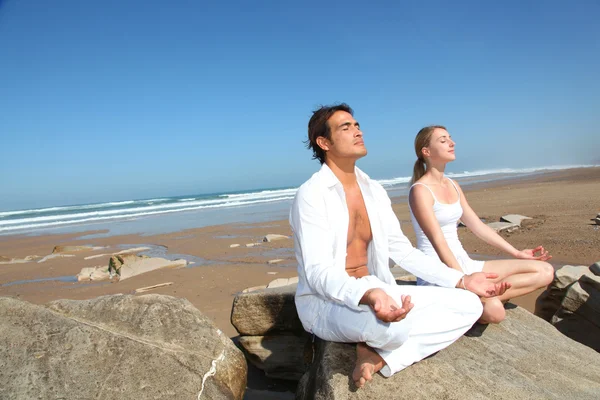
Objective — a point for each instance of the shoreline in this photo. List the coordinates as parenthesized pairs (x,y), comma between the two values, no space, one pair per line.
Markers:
(562,204)
(177,213)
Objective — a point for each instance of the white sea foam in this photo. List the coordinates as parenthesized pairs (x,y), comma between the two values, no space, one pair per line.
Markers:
(36,224)
(262,194)
(121,210)
(483,172)
(67,208)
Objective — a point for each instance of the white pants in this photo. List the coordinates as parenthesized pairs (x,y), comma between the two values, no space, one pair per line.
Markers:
(439,317)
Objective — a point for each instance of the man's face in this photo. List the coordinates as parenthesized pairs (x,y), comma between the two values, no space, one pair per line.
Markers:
(346,138)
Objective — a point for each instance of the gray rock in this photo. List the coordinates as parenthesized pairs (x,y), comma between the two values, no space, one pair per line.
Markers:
(271,237)
(579,314)
(549,301)
(514,218)
(116,347)
(524,357)
(503,226)
(264,311)
(281,356)
(595,268)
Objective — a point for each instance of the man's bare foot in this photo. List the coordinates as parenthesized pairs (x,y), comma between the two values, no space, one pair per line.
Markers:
(368,363)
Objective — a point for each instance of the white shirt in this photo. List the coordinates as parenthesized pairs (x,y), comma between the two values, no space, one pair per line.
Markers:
(319,220)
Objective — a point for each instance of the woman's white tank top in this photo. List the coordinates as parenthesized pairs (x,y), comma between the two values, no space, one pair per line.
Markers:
(447,216)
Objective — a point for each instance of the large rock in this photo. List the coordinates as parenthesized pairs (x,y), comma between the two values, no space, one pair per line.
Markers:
(271,333)
(266,311)
(524,357)
(116,347)
(579,314)
(279,356)
(549,301)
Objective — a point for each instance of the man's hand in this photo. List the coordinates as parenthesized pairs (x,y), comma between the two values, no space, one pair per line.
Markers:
(539,253)
(385,307)
(482,285)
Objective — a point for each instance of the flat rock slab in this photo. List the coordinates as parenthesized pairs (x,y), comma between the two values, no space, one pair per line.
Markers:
(283,282)
(116,347)
(131,265)
(503,226)
(72,249)
(524,357)
(514,218)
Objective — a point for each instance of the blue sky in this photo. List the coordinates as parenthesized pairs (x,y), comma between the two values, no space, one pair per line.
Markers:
(113,100)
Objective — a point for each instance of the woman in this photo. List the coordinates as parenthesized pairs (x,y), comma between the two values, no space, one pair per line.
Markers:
(437,203)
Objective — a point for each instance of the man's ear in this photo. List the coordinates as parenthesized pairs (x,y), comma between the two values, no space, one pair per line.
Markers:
(323,143)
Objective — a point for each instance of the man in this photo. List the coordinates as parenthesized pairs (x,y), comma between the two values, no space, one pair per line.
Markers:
(345,231)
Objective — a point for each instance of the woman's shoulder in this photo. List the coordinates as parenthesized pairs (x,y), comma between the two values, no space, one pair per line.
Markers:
(420,190)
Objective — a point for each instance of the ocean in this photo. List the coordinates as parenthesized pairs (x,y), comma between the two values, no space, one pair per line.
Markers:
(170,214)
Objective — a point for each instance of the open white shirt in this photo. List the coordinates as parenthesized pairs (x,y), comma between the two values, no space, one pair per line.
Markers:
(319,220)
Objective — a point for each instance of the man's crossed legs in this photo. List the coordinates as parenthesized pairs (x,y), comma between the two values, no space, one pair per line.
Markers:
(439,317)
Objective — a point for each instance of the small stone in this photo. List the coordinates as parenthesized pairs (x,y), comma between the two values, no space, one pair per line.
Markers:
(272,273)
(272,237)
(249,244)
(278,260)
(234,245)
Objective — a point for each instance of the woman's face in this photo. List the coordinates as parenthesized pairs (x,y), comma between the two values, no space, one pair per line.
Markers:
(441,147)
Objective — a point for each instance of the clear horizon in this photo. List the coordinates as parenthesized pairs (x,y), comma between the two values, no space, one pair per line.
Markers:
(116,100)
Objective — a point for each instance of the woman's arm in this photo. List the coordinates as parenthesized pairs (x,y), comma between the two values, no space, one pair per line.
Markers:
(421,204)
(491,237)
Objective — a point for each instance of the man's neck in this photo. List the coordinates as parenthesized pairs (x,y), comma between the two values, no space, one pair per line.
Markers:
(343,170)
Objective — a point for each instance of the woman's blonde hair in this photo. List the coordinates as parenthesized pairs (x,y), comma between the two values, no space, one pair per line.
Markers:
(422,140)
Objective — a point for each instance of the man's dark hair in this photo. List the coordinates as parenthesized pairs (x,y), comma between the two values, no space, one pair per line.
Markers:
(318,126)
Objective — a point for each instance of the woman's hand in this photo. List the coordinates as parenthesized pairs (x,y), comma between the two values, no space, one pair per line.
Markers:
(539,253)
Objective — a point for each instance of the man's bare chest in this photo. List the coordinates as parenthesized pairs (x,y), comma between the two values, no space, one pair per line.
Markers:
(359,225)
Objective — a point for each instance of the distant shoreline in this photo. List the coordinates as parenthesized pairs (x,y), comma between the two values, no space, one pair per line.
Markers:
(172,214)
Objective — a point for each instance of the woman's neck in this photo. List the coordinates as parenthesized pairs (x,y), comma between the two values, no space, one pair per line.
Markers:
(436,173)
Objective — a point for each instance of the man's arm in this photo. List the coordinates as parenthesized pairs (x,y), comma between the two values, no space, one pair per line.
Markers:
(314,235)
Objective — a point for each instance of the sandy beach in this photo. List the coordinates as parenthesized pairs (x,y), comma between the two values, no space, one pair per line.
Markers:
(562,205)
